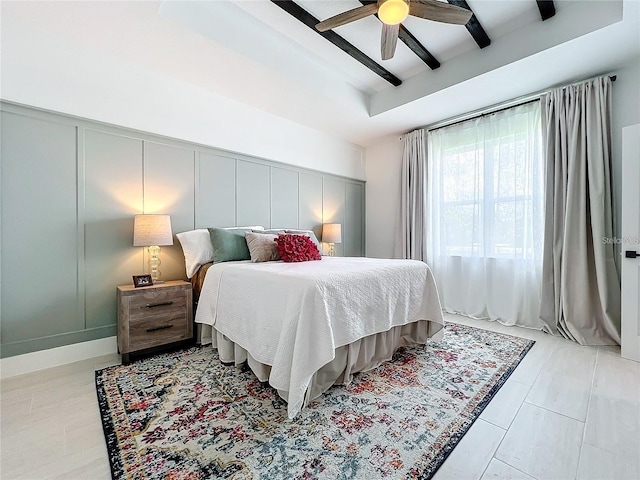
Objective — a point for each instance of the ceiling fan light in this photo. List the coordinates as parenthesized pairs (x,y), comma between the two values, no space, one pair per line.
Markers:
(393,12)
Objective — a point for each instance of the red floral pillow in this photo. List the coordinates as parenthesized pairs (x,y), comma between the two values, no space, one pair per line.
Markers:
(297,248)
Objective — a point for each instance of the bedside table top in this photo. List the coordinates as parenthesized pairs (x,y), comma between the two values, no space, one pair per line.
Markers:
(169,283)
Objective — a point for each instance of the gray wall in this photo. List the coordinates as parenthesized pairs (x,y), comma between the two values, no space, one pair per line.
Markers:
(70,189)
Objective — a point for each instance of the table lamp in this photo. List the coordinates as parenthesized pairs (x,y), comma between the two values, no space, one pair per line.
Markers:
(332,234)
(152,231)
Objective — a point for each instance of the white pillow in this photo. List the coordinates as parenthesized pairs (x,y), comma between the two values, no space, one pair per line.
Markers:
(197,248)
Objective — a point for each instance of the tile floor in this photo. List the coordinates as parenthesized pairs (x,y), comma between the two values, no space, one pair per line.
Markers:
(566,412)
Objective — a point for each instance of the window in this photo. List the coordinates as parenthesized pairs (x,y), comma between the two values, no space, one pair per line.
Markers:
(485,215)
(487,185)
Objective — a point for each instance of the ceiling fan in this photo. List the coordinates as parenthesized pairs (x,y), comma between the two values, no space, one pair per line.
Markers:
(393,12)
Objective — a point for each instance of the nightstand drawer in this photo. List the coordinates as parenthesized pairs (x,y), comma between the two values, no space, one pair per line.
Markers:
(158,330)
(154,302)
(157,299)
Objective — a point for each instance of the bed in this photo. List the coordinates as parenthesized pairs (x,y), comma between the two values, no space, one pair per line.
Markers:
(306,326)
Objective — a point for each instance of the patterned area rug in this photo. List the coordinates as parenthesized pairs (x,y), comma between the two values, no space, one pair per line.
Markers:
(184,415)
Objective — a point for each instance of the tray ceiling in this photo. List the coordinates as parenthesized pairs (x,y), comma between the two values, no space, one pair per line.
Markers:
(255,52)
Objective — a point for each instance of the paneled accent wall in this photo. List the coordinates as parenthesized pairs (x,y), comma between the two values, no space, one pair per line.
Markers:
(70,189)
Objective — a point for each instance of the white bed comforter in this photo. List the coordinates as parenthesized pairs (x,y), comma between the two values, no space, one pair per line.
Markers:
(293,316)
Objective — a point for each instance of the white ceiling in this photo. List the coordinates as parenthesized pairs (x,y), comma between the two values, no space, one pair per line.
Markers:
(442,40)
(254,52)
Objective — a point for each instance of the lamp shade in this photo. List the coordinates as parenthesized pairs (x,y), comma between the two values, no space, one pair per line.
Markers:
(151,230)
(332,233)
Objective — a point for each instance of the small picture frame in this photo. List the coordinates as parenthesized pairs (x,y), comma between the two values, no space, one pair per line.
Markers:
(142,281)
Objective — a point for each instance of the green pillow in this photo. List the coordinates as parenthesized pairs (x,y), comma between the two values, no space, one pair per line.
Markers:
(229,245)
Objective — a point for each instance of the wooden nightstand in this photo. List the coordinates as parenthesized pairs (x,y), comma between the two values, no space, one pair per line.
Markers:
(153,317)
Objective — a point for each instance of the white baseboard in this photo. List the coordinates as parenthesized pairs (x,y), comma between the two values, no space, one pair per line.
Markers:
(32,362)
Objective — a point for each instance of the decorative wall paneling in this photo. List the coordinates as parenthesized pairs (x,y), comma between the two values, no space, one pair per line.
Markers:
(253,192)
(354,206)
(70,189)
(310,206)
(284,193)
(215,185)
(334,206)
(40,280)
(113,186)
(169,187)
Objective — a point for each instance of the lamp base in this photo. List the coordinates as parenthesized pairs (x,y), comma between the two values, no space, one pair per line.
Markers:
(332,250)
(154,263)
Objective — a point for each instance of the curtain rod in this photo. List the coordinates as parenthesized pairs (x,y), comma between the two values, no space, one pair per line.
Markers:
(516,102)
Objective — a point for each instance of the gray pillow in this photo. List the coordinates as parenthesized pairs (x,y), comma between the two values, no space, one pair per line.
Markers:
(273,231)
(262,246)
(229,245)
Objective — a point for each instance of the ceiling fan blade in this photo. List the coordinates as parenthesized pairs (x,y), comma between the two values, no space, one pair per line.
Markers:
(439,12)
(389,40)
(347,17)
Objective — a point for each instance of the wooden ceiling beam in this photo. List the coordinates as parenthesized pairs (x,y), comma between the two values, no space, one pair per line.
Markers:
(547,9)
(417,48)
(310,21)
(473,25)
(412,42)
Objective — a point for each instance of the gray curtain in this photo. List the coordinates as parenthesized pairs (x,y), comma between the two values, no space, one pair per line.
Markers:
(581,287)
(413,196)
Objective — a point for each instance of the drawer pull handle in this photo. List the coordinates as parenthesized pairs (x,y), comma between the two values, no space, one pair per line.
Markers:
(152,305)
(159,327)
